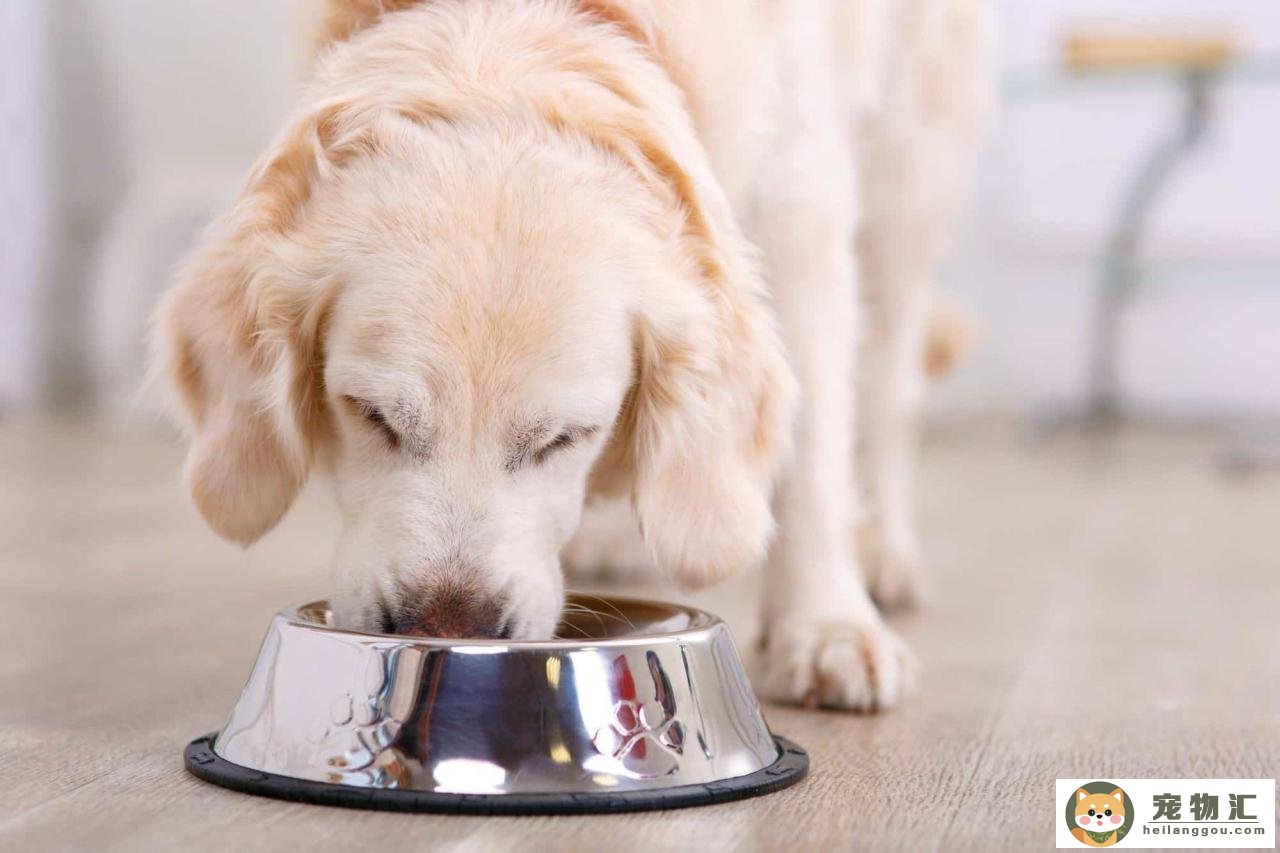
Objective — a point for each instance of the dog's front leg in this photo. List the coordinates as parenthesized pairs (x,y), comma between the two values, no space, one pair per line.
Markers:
(824,642)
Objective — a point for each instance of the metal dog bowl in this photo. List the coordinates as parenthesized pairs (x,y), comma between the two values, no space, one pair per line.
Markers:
(646,707)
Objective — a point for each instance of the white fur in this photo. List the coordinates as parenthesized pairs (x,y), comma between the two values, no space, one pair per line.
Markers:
(489,219)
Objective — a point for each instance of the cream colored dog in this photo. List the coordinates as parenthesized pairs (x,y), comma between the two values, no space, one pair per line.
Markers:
(509,253)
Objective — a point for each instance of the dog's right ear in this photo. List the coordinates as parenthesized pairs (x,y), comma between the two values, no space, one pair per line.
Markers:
(239,341)
(1081,794)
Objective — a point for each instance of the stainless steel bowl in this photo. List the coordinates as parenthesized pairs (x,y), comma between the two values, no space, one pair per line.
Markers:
(642,705)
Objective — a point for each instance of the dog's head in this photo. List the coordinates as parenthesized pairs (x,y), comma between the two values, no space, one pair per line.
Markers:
(470,324)
(1099,812)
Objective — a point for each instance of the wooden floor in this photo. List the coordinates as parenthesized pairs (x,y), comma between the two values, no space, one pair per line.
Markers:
(1100,611)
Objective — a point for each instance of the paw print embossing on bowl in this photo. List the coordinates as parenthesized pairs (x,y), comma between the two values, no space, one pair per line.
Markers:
(363,723)
(644,737)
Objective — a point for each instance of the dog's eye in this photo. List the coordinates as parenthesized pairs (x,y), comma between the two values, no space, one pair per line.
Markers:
(1091,812)
(525,454)
(373,415)
(560,442)
(1107,812)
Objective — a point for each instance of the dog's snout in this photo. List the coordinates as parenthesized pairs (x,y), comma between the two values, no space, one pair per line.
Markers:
(453,610)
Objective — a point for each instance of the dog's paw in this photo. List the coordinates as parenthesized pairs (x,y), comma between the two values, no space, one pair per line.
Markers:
(894,570)
(607,545)
(849,665)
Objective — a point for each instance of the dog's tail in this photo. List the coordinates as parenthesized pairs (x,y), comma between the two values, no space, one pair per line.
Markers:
(950,335)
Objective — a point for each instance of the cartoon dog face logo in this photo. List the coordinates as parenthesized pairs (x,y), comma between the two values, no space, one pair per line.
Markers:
(1099,815)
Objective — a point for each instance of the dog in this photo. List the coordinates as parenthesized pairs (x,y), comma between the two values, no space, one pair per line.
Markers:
(510,255)
(1099,817)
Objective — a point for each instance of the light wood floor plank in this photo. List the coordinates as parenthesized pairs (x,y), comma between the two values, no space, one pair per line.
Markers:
(1097,611)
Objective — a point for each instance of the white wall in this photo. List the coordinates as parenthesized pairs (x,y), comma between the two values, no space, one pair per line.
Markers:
(1202,333)
(24,201)
(150,103)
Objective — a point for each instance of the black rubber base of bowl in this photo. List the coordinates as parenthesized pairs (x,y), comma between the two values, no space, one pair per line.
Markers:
(202,761)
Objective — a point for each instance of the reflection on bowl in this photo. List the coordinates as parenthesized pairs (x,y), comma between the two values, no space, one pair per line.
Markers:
(640,704)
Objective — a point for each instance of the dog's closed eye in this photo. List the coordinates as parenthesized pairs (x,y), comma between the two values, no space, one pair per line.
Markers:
(376,419)
(560,442)
(529,452)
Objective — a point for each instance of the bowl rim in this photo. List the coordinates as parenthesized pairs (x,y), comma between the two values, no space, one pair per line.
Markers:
(702,625)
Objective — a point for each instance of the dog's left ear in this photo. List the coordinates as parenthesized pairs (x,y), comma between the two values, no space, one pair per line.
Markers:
(1118,794)
(707,425)
(707,421)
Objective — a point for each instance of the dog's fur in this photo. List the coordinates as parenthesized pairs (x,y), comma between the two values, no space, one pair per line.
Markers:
(510,253)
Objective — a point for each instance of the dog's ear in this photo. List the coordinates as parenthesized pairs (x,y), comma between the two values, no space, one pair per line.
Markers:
(706,427)
(239,340)
(1081,794)
(707,420)
(1118,794)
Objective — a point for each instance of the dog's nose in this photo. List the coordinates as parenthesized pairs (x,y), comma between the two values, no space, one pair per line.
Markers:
(453,610)
(467,624)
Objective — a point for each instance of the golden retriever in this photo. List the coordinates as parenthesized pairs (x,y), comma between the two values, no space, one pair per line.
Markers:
(509,254)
